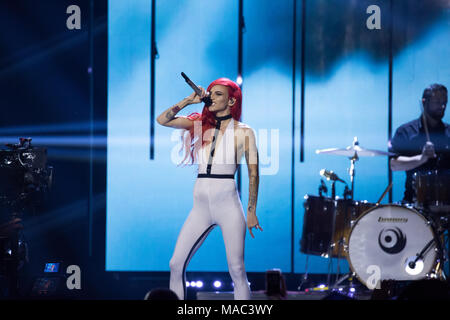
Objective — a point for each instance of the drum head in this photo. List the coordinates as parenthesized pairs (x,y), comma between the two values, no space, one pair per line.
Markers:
(385,240)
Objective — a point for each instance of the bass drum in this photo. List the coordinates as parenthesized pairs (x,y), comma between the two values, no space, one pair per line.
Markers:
(384,243)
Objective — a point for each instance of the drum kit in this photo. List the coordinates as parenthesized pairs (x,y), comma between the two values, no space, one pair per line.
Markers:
(400,242)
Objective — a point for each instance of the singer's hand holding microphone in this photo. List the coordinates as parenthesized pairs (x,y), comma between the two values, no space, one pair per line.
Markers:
(168,117)
(199,92)
(195,98)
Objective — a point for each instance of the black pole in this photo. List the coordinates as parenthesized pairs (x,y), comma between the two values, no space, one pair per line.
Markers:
(294,67)
(391,63)
(91,121)
(152,82)
(240,50)
(302,86)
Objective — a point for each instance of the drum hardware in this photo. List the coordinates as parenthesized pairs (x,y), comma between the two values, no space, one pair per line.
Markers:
(320,215)
(350,276)
(345,246)
(424,252)
(305,280)
(384,193)
(413,264)
(400,232)
(421,257)
(347,192)
(352,223)
(352,174)
(353,152)
(432,191)
(439,249)
(322,188)
(330,175)
(326,227)
(338,269)
(333,177)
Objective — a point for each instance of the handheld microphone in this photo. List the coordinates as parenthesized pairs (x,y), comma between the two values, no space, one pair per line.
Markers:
(207,100)
(330,175)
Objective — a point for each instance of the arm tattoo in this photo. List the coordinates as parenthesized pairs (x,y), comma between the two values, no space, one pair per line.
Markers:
(253,175)
(172,112)
(253,192)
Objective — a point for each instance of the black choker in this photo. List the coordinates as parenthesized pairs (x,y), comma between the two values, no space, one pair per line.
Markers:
(223,118)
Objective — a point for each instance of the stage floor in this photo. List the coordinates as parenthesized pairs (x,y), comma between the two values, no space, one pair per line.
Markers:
(291,295)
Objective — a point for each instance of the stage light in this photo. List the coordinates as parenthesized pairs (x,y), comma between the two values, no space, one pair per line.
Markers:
(217,284)
(199,284)
(193,284)
(239,80)
(352,289)
(188,284)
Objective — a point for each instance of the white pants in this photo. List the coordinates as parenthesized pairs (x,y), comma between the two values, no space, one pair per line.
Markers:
(216,202)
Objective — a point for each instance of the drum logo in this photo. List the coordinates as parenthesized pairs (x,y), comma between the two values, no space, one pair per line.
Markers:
(394,220)
(392,241)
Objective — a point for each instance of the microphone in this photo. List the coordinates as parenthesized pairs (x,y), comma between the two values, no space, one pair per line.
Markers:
(330,175)
(207,100)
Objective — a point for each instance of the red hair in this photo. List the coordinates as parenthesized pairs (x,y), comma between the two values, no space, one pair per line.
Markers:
(192,142)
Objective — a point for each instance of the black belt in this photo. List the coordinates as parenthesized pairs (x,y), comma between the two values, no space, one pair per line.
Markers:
(216,176)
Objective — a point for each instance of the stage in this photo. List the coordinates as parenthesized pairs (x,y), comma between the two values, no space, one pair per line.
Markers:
(301,147)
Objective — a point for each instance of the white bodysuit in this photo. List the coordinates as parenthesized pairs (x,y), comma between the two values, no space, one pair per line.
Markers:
(216,203)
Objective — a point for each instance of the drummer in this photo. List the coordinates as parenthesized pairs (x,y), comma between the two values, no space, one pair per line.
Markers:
(423,146)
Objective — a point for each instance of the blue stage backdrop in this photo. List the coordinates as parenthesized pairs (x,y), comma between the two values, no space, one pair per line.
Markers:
(346,85)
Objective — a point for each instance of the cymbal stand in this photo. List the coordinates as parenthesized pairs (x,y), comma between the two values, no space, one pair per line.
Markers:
(340,279)
(352,166)
(352,173)
(352,179)
(338,268)
(349,275)
(352,192)
(333,227)
(305,280)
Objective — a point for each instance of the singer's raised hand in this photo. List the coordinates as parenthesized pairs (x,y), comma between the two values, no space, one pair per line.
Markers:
(195,98)
(168,117)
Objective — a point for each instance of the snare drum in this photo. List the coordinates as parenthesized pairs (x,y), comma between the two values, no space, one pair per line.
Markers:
(432,189)
(385,240)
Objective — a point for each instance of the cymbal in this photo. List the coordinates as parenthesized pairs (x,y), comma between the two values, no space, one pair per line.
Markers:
(354,150)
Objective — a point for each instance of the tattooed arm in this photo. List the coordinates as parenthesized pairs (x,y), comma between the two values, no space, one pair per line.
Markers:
(251,156)
(168,117)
